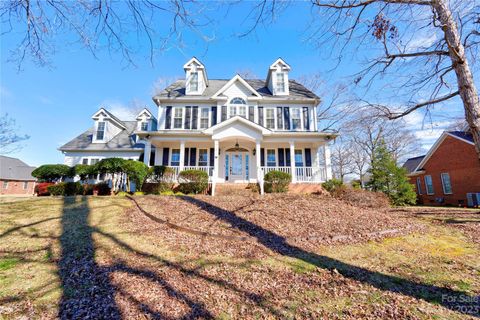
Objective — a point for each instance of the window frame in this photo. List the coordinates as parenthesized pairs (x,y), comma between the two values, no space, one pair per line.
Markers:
(230,109)
(25,185)
(427,185)
(292,112)
(242,111)
(194,81)
(175,117)
(94,161)
(280,82)
(302,154)
(273,110)
(201,118)
(171,158)
(419,186)
(142,123)
(446,174)
(267,162)
(85,161)
(102,131)
(207,157)
(5,184)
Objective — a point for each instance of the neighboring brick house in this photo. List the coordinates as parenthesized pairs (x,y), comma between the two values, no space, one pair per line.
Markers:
(16,177)
(449,174)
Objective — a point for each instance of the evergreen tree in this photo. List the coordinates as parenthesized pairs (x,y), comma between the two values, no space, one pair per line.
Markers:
(390,179)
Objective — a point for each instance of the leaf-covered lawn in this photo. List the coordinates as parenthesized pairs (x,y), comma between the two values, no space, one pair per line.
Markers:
(232,257)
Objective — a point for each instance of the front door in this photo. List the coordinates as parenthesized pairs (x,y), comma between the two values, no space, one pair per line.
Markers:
(235,166)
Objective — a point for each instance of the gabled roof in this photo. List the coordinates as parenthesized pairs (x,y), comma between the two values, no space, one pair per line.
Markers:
(110,116)
(231,82)
(200,66)
(15,169)
(280,61)
(122,141)
(460,135)
(147,112)
(411,164)
(227,122)
(297,91)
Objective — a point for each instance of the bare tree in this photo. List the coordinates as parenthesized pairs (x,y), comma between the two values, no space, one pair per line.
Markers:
(416,73)
(247,74)
(127,27)
(360,162)
(9,139)
(341,160)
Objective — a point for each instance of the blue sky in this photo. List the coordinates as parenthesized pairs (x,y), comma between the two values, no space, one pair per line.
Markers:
(54,104)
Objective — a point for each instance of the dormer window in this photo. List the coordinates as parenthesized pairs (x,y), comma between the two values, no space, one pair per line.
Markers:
(194,81)
(144,126)
(280,85)
(100,130)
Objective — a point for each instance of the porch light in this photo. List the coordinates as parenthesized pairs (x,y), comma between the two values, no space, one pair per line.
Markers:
(254,151)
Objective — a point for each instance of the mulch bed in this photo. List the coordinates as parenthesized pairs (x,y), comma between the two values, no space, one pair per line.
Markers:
(252,226)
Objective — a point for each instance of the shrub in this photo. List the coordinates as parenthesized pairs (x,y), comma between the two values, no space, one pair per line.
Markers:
(193,181)
(277,181)
(102,189)
(122,194)
(53,172)
(83,171)
(157,187)
(333,185)
(139,193)
(356,184)
(66,189)
(41,188)
(88,189)
(136,171)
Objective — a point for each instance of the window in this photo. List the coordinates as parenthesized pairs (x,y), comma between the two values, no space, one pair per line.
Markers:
(25,185)
(280,82)
(100,130)
(447,186)
(298,158)
(144,126)
(419,185)
(429,184)
(295,114)
(5,184)
(204,118)
(270,118)
(94,161)
(194,81)
(203,157)
(177,118)
(233,111)
(271,161)
(175,160)
(242,111)
(85,161)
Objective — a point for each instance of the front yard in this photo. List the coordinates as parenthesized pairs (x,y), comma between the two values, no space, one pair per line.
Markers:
(277,256)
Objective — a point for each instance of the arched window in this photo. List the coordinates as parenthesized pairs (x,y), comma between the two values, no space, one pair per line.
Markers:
(238,107)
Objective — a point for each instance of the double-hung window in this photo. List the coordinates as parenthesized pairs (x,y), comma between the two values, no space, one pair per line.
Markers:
(144,126)
(419,185)
(175,160)
(270,118)
(194,81)
(447,186)
(85,161)
(5,184)
(204,115)
(429,184)
(25,185)
(233,111)
(94,161)
(177,118)
(298,158)
(280,85)
(203,157)
(242,111)
(100,130)
(271,159)
(295,114)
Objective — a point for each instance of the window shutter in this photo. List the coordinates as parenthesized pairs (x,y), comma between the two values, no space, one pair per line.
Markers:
(251,113)
(306,118)
(214,115)
(168,118)
(212,157)
(286,118)
(262,157)
(308,157)
(194,117)
(281,157)
(193,156)
(185,156)
(152,156)
(279,118)
(287,157)
(165,157)
(224,113)
(188,114)
(260,116)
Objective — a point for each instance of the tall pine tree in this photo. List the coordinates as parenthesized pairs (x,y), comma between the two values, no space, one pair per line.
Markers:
(387,177)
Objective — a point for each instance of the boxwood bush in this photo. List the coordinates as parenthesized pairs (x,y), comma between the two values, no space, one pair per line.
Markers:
(66,189)
(193,181)
(277,181)
(102,189)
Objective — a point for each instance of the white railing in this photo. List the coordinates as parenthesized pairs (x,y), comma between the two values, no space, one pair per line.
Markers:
(302,174)
(207,169)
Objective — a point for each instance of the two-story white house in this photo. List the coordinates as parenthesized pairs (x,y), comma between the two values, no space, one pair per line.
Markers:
(235,129)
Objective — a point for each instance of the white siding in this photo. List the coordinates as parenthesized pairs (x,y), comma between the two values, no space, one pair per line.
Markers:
(75,157)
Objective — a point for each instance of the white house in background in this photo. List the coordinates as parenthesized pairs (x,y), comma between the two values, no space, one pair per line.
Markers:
(235,129)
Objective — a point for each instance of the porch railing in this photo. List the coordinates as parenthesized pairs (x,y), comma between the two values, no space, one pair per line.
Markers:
(303,174)
(207,169)
(283,169)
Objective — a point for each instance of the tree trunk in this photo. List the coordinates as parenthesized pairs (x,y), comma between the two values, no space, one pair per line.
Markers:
(466,86)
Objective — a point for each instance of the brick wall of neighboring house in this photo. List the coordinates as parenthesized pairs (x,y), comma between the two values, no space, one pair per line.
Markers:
(460,161)
(15,187)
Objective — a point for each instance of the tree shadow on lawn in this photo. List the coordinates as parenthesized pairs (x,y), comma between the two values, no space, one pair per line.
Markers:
(449,298)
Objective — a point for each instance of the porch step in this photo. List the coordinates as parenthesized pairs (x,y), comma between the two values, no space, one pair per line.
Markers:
(306,188)
(227,189)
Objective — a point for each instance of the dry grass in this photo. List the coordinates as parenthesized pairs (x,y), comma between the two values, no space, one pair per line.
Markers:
(98,256)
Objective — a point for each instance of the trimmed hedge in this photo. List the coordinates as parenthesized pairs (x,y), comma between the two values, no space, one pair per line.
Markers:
(193,181)
(66,189)
(277,181)
(53,172)
(333,185)
(102,189)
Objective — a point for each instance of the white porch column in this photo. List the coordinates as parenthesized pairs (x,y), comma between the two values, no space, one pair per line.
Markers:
(182,155)
(216,160)
(258,155)
(146,153)
(328,162)
(292,162)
